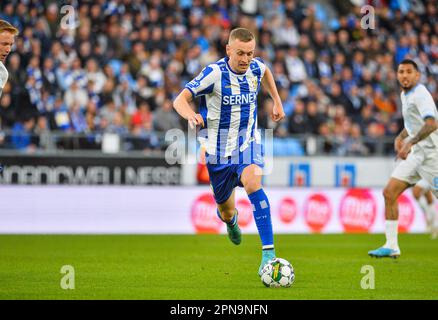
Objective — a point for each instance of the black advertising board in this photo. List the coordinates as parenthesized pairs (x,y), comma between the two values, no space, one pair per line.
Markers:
(87,170)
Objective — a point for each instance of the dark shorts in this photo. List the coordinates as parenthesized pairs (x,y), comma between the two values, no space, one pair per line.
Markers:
(225,173)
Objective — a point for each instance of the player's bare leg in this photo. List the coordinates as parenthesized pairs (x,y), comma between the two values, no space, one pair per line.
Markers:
(429,197)
(424,198)
(227,213)
(227,209)
(392,191)
(417,193)
(251,179)
(433,214)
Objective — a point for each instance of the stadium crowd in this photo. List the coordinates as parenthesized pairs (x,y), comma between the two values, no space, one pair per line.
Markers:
(116,65)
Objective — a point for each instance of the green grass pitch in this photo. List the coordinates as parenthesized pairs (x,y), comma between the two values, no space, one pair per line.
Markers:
(210,267)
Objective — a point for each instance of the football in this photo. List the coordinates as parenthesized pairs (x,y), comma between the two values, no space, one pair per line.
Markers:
(278,272)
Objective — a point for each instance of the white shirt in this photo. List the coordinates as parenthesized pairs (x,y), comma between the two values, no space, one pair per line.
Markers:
(3,77)
(296,69)
(228,106)
(418,104)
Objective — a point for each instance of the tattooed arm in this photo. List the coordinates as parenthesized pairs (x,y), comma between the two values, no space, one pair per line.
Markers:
(430,125)
(398,143)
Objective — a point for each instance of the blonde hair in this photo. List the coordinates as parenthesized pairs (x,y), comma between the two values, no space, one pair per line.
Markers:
(241,34)
(6,26)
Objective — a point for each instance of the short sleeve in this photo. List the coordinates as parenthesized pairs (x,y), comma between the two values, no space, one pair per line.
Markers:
(3,75)
(2,82)
(261,64)
(425,104)
(204,83)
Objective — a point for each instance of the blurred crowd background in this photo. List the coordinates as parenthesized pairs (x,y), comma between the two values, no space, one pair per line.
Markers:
(115,66)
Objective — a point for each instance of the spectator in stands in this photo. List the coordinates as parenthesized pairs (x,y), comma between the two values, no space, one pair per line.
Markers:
(117,125)
(94,73)
(142,116)
(144,138)
(295,66)
(298,120)
(354,145)
(165,117)
(42,133)
(22,138)
(108,111)
(76,95)
(7,114)
(59,118)
(314,118)
(374,133)
(77,118)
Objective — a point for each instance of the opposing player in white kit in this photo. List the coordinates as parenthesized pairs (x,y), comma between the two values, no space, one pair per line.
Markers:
(7,39)
(417,151)
(422,193)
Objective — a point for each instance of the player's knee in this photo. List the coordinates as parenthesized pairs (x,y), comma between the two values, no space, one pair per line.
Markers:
(227,214)
(252,186)
(389,194)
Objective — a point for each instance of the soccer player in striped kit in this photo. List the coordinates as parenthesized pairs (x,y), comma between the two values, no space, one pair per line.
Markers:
(228,113)
(7,39)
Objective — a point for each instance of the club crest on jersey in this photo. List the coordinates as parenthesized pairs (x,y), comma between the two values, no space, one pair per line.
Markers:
(253,84)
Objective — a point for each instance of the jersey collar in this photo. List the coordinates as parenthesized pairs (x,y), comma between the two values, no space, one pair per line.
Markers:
(231,70)
(410,90)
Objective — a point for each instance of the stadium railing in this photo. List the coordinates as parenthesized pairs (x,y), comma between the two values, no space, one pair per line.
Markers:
(107,142)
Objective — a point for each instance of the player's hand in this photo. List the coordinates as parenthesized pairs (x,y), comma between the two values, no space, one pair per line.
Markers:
(277,112)
(195,120)
(398,144)
(403,153)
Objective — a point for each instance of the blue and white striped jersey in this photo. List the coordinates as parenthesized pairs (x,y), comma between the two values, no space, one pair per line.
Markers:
(228,106)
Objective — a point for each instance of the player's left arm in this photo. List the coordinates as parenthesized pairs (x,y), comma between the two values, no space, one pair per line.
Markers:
(268,83)
(430,125)
(426,107)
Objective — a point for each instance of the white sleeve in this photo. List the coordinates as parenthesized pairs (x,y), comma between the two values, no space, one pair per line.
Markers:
(425,104)
(3,75)
(204,83)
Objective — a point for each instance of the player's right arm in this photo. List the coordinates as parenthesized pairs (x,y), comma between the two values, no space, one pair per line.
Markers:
(182,106)
(398,142)
(203,84)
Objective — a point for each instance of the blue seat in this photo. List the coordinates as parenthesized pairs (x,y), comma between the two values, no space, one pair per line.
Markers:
(283,147)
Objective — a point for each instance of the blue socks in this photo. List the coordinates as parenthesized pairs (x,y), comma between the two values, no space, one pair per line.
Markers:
(262,217)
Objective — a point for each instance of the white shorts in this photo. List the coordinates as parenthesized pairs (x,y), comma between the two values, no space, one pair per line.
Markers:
(421,163)
(423,184)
